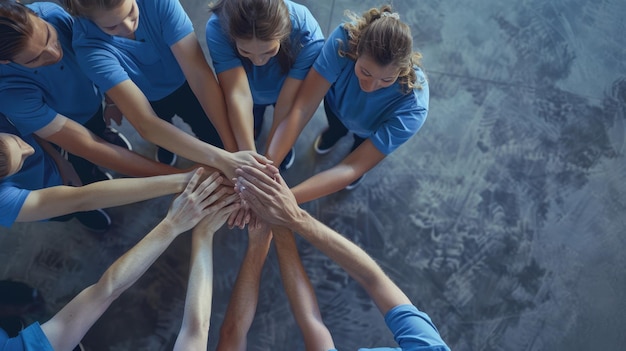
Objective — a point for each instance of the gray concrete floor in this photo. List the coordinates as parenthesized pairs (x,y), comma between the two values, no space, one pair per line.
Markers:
(503,218)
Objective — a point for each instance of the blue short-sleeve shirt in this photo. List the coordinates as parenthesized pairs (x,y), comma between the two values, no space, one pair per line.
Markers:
(148,60)
(386,116)
(266,81)
(413,330)
(38,171)
(32,97)
(32,338)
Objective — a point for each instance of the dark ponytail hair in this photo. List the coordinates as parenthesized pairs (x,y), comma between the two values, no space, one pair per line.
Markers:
(265,20)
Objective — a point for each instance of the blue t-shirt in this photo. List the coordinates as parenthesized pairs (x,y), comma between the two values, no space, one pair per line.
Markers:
(266,81)
(32,97)
(413,330)
(148,60)
(32,338)
(38,171)
(387,116)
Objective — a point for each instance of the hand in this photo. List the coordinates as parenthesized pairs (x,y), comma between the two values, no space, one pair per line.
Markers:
(240,217)
(267,194)
(194,203)
(111,112)
(243,158)
(259,232)
(221,210)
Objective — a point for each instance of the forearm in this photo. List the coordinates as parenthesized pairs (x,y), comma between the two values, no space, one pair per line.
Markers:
(356,262)
(61,200)
(241,118)
(300,292)
(285,136)
(243,300)
(210,96)
(194,331)
(324,183)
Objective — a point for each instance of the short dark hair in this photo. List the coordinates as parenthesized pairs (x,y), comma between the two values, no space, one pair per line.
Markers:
(16,27)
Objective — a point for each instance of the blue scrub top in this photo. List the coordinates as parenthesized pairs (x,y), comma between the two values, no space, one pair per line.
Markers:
(32,338)
(148,60)
(266,81)
(32,97)
(387,116)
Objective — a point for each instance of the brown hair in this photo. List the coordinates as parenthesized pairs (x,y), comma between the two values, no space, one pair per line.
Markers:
(86,8)
(265,20)
(15,28)
(380,34)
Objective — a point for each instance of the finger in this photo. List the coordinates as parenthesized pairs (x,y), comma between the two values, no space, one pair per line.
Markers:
(212,193)
(209,183)
(253,176)
(191,185)
(262,160)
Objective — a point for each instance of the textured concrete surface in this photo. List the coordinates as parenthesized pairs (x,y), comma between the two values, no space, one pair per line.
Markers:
(502,219)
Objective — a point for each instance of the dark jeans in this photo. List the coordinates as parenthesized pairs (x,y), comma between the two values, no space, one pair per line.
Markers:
(336,129)
(184,104)
(258,112)
(83,167)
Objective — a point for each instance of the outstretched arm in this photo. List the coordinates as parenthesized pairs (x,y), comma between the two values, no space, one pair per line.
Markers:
(274,202)
(245,295)
(204,85)
(134,105)
(300,292)
(283,136)
(69,325)
(359,161)
(78,140)
(60,200)
(194,331)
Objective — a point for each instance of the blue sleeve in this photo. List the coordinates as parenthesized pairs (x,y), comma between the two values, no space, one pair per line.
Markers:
(23,103)
(221,48)
(407,119)
(96,57)
(329,64)
(413,330)
(30,339)
(175,23)
(310,40)
(11,201)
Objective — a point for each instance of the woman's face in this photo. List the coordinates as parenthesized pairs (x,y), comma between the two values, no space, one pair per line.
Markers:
(42,47)
(258,51)
(121,21)
(373,76)
(17,150)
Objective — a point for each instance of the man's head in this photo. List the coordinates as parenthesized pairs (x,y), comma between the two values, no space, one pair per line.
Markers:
(26,39)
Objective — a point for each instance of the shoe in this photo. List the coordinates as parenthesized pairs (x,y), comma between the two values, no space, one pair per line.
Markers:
(97,220)
(97,175)
(288,160)
(322,145)
(116,138)
(12,325)
(17,298)
(165,156)
(355,183)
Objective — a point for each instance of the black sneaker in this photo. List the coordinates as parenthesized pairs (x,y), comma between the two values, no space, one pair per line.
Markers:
(325,142)
(355,183)
(17,298)
(165,156)
(116,138)
(12,325)
(97,220)
(288,160)
(97,175)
